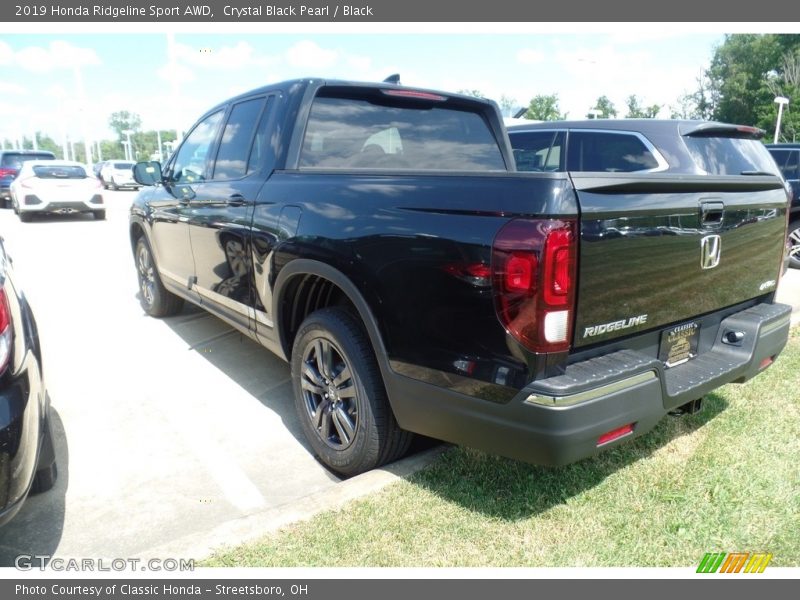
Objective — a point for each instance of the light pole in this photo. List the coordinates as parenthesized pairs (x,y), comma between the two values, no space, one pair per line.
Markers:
(781,102)
(128,147)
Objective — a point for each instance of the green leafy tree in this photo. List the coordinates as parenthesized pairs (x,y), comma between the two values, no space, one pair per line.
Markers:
(474,93)
(507,105)
(606,108)
(544,107)
(747,72)
(637,111)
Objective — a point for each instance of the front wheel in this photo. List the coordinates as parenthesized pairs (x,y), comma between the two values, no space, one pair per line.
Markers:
(154,297)
(794,245)
(340,397)
(99,215)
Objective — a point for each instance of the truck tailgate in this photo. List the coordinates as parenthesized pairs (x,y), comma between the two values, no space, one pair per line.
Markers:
(659,249)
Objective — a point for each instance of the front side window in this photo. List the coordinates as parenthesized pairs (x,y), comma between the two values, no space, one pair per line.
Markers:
(344,133)
(191,165)
(607,151)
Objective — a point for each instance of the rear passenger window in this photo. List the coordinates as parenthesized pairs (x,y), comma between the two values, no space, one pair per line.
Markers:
(237,138)
(346,133)
(608,151)
(538,150)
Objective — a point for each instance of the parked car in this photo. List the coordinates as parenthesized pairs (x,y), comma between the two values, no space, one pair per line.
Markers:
(27,457)
(378,238)
(10,164)
(56,186)
(787,157)
(118,174)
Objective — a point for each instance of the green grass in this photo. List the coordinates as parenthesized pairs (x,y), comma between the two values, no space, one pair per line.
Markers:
(725,480)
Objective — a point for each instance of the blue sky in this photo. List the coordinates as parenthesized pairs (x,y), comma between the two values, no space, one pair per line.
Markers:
(41,88)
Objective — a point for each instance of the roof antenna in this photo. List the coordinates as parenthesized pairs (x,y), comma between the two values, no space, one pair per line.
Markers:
(395,79)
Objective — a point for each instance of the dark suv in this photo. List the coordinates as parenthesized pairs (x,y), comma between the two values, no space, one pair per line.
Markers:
(787,156)
(10,164)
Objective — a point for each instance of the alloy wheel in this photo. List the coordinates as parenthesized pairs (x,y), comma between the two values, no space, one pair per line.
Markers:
(329,393)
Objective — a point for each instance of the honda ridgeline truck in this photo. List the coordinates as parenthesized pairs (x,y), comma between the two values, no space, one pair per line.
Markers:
(380,239)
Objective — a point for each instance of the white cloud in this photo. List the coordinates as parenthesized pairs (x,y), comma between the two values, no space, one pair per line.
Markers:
(57,55)
(177,73)
(12,88)
(226,57)
(308,55)
(526,56)
(6,54)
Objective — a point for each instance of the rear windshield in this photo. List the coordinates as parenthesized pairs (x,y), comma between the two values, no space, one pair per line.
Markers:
(730,156)
(347,133)
(123,165)
(59,172)
(14,161)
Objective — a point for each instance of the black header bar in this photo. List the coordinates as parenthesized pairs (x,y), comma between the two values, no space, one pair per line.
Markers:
(375,11)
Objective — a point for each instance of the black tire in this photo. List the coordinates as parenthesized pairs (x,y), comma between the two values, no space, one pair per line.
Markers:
(114,185)
(356,431)
(99,215)
(46,472)
(25,217)
(153,296)
(794,242)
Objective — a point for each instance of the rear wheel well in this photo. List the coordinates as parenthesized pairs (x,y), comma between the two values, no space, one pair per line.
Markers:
(303,295)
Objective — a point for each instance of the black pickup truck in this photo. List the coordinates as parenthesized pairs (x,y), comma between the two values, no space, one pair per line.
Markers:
(380,239)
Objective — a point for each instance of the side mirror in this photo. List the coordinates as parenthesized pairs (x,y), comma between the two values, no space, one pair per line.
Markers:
(147,173)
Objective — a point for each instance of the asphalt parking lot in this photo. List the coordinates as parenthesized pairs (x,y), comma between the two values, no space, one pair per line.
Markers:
(165,429)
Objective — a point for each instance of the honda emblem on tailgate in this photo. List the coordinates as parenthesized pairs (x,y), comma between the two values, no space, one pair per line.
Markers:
(710,248)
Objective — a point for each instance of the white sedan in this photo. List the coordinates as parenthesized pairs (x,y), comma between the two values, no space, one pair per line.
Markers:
(56,186)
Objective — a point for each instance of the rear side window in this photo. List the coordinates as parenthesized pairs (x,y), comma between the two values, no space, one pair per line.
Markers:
(237,138)
(123,165)
(729,156)
(60,172)
(538,150)
(346,133)
(614,152)
(787,162)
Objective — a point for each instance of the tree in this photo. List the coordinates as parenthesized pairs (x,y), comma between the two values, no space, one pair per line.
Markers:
(747,72)
(507,105)
(606,108)
(637,111)
(474,93)
(124,120)
(545,108)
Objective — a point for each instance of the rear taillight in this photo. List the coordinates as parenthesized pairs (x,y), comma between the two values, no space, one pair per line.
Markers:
(6,330)
(533,272)
(6,172)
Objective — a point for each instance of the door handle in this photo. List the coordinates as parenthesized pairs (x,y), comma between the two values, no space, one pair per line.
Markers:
(237,200)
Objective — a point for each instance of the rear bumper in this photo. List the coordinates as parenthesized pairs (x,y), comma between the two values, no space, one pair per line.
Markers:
(559,420)
(35,204)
